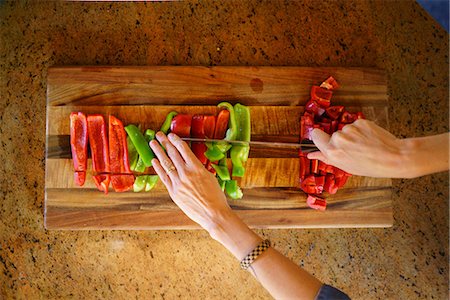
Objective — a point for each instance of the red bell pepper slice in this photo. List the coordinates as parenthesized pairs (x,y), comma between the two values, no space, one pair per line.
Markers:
(99,151)
(181,125)
(321,96)
(330,84)
(78,145)
(220,131)
(334,112)
(202,127)
(118,156)
(316,202)
(313,107)
(222,124)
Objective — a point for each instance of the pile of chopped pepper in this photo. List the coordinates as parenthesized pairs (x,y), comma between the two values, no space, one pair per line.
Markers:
(317,177)
(122,155)
(231,123)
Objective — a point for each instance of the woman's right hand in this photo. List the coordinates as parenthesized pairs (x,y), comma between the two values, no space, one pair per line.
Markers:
(362,148)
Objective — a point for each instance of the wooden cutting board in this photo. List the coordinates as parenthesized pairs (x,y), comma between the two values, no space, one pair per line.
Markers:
(144,95)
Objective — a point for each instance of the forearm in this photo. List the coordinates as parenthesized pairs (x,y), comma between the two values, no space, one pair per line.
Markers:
(425,155)
(279,275)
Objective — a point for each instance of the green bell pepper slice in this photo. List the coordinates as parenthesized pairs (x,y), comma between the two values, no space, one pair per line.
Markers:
(151,182)
(242,115)
(232,124)
(221,184)
(132,154)
(145,183)
(139,183)
(233,190)
(222,172)
(239,153)
(214,154)
(166,125)
(148,136)
(141,144)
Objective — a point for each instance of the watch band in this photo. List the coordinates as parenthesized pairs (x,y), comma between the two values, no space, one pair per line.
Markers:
(252,256)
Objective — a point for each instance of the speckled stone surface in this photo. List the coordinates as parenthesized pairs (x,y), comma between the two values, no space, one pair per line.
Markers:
(407,261)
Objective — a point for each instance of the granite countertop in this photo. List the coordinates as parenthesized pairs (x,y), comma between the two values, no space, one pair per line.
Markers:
(407,261)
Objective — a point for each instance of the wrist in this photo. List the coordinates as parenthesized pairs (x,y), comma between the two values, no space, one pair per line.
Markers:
(410,164)
(229,230)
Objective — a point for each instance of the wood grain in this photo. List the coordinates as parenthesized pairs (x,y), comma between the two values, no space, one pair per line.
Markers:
(183,85)
(144,95)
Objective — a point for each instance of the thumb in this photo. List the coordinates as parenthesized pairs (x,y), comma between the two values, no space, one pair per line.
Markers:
(317,155)
(320,139)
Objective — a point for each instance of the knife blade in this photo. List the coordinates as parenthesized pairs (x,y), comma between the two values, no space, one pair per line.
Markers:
(305,145)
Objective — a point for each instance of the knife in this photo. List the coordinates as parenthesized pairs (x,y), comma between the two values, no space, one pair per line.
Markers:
(306,145)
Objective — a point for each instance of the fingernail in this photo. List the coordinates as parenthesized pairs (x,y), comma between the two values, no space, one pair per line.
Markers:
(170,136)
(159,134)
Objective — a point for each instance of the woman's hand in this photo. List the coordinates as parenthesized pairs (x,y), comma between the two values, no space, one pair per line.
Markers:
(194,189)
(362,148)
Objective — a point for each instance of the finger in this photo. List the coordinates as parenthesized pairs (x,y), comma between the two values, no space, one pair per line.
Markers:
(183,148)
(172,152)
(320,139)
(317,155)
(164,161)
(162,174)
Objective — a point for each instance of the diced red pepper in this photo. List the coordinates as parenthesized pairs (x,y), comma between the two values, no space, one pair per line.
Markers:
(347,117)
(314,166)
(313,107)
(341,181)
(304,166)
(330,84)
(326,127)
(338,173)
(181,125)
(330,186)
(322,166)
(118,156)
(78,145)
(360,115)
(329,169)
(321,96)
(99,151)
(308,184)
(316,202)
(334,112)
(312,184)
(334,126)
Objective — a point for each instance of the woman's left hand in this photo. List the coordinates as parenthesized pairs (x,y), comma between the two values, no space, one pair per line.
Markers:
(194,189)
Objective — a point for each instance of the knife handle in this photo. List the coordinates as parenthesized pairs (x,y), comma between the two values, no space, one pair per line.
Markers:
(308,149)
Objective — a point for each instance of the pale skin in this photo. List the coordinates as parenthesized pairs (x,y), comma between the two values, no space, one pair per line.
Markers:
(361,148)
